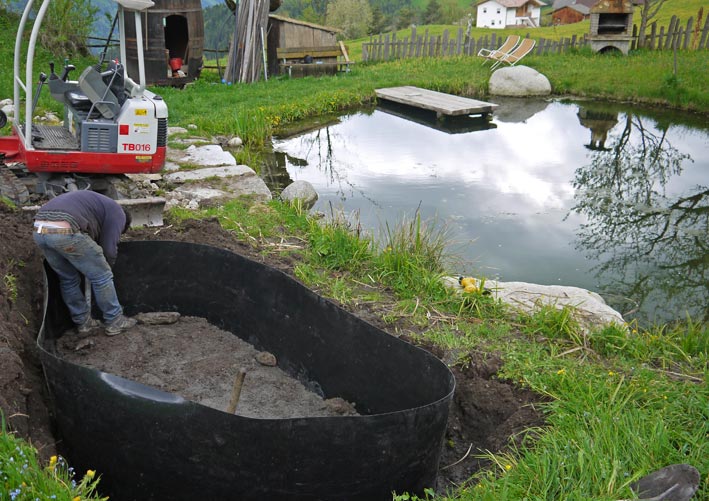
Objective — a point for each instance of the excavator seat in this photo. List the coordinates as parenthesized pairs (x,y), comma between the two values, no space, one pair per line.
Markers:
(77,100)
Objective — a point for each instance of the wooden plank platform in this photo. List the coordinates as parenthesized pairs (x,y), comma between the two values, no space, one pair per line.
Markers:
(441,103)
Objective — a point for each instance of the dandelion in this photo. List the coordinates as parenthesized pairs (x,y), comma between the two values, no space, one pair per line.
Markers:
(77,498)
(508,467)
(561,372)
(611,373)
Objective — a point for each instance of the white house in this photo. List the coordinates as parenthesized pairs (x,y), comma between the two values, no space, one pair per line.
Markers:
(504,13)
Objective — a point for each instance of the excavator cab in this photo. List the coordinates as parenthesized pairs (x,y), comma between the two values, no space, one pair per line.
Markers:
(112,124)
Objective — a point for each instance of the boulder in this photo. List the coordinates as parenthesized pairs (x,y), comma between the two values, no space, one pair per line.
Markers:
(209,172)
(211,155)
(8,109)
(300,190)
(519,81)
(589,308)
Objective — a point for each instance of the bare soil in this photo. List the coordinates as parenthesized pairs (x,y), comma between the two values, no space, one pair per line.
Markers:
(200,362)
(487,412)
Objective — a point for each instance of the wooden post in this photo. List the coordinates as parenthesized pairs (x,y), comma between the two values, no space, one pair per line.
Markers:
(671,32)
(236,391)
(687,33)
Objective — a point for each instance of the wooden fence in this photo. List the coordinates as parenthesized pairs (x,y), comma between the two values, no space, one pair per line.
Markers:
(387,46)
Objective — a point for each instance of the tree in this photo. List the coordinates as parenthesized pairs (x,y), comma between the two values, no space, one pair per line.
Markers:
(314,10)
(353,17)
(432,14)
(64,30)
(450,12)
(406,18)
(311,16)
(379,21)
(648,10)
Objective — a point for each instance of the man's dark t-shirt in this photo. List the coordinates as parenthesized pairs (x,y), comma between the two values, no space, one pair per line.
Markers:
(101,217)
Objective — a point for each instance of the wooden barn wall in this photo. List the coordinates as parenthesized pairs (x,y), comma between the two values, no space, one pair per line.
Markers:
(286,35)
(567,16)
(295,35)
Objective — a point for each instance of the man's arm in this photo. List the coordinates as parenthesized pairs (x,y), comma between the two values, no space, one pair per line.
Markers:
(111,231)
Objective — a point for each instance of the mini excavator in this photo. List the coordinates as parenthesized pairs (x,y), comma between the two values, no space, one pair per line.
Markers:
(112,125)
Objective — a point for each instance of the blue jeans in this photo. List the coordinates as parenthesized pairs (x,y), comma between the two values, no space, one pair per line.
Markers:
(71,256)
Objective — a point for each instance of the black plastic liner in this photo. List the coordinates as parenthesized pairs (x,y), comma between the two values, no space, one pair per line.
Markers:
(148,444)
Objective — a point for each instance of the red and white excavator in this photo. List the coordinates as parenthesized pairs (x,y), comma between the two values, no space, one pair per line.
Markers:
(112,125)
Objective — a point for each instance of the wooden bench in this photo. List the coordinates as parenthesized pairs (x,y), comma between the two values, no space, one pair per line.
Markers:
(327,56)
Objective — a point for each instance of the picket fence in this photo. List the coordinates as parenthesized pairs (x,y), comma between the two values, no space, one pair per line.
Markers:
(388,46)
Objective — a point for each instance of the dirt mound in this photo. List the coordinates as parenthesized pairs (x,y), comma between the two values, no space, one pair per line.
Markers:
(22,391)
(485,412)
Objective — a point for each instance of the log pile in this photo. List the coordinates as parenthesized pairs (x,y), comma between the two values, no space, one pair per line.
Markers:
(248,45)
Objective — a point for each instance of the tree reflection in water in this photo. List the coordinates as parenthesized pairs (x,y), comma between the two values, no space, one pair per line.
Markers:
(653,243)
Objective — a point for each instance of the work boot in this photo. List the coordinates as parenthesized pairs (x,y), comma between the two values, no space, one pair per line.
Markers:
(120,324)
(88,325)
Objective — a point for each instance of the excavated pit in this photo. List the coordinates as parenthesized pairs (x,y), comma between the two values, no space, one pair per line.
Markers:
(150,442)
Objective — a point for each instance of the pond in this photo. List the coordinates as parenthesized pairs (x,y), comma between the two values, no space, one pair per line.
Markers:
(601,196)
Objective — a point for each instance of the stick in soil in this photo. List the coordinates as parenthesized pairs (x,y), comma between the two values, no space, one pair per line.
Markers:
(236,391)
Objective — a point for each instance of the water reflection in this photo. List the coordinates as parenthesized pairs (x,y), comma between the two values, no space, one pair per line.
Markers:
(650,241)
(600,122)
(532,199)
(449,124)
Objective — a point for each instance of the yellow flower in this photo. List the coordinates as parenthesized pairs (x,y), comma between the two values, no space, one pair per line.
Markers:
(90,474)
(52,461)
(508,467)
(561,372)
(77,498)
(611,373)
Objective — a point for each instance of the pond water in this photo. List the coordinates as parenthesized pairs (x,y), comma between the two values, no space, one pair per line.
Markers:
(588,194)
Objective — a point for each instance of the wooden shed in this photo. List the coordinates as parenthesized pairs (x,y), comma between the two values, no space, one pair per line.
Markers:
(284,32)
(172,43)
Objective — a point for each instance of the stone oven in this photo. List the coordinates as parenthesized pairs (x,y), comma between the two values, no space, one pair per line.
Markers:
(611,26)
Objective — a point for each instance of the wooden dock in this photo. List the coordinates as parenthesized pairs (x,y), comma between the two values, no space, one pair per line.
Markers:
(443,104)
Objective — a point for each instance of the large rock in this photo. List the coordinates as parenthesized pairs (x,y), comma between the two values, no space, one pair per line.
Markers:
(211,155)
(209,172)
(590,310)
(300,190)
(218,178)
(519,81)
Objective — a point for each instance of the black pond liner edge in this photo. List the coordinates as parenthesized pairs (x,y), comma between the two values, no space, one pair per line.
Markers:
(149,444)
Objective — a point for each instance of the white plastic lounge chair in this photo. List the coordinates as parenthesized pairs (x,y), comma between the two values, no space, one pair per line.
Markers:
(505,48)
(512,58)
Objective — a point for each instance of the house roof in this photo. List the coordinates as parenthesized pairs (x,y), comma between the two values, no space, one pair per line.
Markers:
(582,6)
(304,23)
(559,4)
(514,3)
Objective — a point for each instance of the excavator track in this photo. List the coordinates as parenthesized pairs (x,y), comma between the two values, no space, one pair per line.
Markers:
(11,187)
